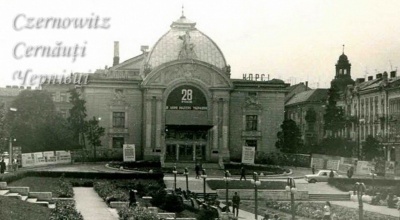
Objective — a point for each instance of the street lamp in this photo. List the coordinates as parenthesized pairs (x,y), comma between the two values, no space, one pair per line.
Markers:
(174,171)
(227,178)
(291,187)
(11,160)
(256,183)
(359,188)
(204,176)
(186,173)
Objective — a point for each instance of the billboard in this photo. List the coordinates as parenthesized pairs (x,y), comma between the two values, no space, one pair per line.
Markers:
(186,97)
(129,152)
(248,154)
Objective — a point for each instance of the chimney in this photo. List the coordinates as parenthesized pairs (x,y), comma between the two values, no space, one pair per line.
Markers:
(393,74)
(306,85)
(8,87)
(370,78)
(116,53)
(379,75)
(144,48)
(28,87)
(21,87)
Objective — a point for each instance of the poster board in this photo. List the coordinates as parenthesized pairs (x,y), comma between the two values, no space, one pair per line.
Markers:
(389,168)
(333,164)
(129,153)
(248,154)
(317,162)
(364,167)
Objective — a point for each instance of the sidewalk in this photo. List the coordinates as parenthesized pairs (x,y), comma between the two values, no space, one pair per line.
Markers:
(91,206)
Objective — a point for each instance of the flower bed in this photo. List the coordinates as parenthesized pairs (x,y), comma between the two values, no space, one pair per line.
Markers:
(65,210)
(138,165)
(314,210)
(234,168)
(237,184)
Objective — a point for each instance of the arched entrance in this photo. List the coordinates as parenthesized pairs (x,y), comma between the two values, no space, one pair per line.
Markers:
(186,125)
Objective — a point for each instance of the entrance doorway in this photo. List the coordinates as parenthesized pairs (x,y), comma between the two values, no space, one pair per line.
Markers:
(184,143)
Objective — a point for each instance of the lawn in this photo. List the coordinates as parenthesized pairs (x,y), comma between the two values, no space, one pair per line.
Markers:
(14,209)
(237,184)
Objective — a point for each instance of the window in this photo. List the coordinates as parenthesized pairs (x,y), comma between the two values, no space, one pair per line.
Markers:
(119,119)
(63,97)
(251,143)
(251,122)
(118,142)
(63,113)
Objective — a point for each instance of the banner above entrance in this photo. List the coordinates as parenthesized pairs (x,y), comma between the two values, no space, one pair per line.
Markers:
(187,98)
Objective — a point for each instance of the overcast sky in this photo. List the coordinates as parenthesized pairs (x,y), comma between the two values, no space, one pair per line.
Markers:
(291,40)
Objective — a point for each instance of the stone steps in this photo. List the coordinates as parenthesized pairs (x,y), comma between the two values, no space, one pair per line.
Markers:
(23,193)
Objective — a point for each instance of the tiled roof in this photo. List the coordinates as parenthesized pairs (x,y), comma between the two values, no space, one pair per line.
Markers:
(315,95)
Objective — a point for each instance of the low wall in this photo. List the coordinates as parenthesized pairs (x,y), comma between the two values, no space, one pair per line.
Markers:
(248,194)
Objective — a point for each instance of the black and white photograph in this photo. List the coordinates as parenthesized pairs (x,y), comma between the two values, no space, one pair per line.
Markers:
(199,110)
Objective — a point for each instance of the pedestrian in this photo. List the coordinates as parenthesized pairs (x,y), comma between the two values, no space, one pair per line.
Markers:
(313,169)
(235,204)
(242,173)
(327,210)
(132,198)
(331,174)
(197,169)
(2,166)
(350,172)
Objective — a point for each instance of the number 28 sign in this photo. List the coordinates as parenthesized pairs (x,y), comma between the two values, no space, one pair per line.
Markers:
(186,98)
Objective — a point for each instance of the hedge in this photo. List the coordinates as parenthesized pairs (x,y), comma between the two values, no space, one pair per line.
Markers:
(237,184)
(234,168)
(97,175)
(383,186)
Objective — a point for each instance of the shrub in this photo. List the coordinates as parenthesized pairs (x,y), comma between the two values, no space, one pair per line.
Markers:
(96,175)
(65,210)
(173,203)
(377,185)
(234,168)
(207,214)
(237,184)
(65,188)
(138,213)
(158,197)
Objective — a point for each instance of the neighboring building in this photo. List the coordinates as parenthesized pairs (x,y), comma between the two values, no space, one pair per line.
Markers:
(178,103)
(295,89)
(307,110)
(375,110)
(8,94)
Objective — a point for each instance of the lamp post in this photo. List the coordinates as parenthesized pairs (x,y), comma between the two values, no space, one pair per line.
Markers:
(174,172)
(291,188)
(186,173)
(256,183)
(359,188)
(227,178)
(11,160)
(204,176)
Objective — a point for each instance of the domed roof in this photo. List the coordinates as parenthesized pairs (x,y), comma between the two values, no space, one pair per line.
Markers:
(343,57)
(184,41)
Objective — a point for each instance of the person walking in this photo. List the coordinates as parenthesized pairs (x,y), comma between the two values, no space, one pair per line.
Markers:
(327,210)
(350,172)
(132,198)
(313,169)
(197,169)
(2,166)
(331,174)
(235,204)
(242,173)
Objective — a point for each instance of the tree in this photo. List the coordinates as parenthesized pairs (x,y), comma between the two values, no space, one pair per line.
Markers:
(77,115)
(371,148)
(289,139)
(36,125)
(334,115)
(3,129)
(93,132)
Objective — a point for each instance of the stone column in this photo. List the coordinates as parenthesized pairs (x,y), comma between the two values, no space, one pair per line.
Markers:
(158,122)
(216,120)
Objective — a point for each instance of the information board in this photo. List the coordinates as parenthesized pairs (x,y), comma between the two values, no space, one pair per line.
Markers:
(333,164)
(129,152)
(248,154)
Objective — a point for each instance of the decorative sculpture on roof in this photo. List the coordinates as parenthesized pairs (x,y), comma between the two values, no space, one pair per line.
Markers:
(187,49)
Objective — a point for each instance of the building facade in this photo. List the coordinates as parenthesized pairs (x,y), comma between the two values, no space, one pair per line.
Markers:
(177,102)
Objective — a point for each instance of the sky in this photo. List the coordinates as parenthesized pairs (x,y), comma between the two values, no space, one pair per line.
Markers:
(295,41)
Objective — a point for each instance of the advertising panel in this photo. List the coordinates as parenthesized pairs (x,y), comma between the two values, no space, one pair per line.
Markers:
(186,97)
(129,152)
(248,154)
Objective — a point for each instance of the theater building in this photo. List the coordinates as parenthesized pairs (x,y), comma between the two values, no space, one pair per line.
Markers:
(177,102)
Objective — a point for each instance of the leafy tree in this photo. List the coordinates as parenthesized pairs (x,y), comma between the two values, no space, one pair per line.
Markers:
(3,129)
(371,148)
(336,146)
(334,115)
(289,139)
(36,124)
(93,132)
(77,115)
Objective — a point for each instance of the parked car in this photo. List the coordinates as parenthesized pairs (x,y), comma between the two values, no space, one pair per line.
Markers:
(321,176)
